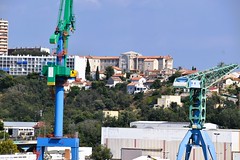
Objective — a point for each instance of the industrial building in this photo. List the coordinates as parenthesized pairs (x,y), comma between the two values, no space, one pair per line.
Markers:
(23,130)
(3,36)
(162,139)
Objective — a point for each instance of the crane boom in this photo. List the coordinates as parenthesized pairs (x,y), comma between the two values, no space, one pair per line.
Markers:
(197,84)
(212,76)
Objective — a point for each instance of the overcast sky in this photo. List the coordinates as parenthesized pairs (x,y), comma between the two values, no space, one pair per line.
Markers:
(198,33)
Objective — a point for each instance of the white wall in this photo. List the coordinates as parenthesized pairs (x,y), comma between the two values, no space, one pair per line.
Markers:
(80,66)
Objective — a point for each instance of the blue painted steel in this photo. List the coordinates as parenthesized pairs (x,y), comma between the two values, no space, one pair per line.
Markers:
(197,138)
(58,130)
(5,69)
(198,84)
(60,36)
(59,59)
(58,142)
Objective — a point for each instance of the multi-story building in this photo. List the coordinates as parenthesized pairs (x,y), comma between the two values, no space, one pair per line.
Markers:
(131,61)
(25,64)
(102,62)
(3,36)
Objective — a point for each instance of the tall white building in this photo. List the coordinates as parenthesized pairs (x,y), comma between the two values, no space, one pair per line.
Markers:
(3,36)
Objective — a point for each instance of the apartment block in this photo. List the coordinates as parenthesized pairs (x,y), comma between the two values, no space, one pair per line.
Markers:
(25,64)
(3,36)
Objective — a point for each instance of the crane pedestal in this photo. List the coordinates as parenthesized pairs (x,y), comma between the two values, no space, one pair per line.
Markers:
(199,138)
(58,142)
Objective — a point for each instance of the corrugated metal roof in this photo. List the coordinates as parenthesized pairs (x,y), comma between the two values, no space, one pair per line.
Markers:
(19,124)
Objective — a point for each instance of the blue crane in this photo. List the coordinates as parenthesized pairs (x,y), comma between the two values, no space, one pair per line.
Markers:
(57,74)
(197,84)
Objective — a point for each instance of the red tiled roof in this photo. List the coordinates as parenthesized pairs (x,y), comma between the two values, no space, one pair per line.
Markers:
(118,75)
(149,60)
(116,78)
(102,57)
(150,57)
(187,72)
(136,78)
(154,71)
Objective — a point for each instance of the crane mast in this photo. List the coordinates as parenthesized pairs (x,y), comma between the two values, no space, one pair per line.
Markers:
(197,84)
(57,74)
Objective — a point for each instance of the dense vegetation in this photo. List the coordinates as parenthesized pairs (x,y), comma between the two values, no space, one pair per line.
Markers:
(28,98)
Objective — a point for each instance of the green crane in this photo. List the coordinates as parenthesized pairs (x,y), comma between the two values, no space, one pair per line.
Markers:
(57,75)
(65,24)
(197,84)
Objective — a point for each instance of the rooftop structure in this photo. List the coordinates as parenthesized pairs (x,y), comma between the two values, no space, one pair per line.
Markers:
(23,130)
(40,49)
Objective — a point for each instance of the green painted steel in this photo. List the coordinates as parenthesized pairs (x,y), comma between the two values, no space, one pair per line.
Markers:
(66,23)
(197,84)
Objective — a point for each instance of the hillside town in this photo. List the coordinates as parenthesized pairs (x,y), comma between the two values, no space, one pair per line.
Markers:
(57,105)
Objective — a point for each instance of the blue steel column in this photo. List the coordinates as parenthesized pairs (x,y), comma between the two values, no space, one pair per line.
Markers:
(58,130)
(59,101)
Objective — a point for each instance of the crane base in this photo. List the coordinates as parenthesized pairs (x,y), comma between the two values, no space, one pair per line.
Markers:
(199,138)
(58,142)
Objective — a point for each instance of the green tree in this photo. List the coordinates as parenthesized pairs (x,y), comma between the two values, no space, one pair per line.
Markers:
(121,87)
(98,84)
(97,75)
(4,135)
(33,75)
(1,126)
(88,71)
(175,75)
(8,147)
(90,132)
(74,91)
(109,71)
(156,84)
(101,153)
(6,81)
